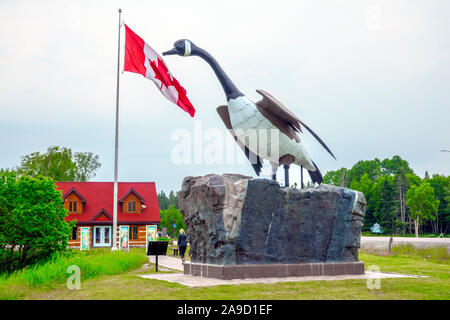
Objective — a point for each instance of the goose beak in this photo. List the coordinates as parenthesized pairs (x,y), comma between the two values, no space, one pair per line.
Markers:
(172,51)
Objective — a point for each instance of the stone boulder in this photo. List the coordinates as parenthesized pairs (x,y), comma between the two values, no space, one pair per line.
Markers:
(234,219)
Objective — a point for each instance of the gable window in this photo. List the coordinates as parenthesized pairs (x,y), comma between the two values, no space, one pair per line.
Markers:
(73,206)
(73,202)
(132,202)
(131,206)
(134,233)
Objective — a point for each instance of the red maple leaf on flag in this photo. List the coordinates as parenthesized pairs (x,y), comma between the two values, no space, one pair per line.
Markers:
(161,72)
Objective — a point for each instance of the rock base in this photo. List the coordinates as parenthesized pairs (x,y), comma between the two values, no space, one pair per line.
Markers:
(249,271)
(236,220)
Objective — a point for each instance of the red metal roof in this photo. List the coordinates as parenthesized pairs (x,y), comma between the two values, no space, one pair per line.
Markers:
(99,195)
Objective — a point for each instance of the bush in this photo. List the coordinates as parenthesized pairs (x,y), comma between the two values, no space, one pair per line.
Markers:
(32,225)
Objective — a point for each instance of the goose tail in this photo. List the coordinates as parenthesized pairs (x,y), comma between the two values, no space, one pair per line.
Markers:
(316,176)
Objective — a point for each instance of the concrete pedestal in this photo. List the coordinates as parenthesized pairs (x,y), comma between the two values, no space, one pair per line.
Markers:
(273,270)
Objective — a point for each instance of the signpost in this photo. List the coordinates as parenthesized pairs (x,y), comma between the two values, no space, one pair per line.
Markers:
(155,248)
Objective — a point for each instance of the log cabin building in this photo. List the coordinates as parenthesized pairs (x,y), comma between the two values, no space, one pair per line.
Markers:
(91,204)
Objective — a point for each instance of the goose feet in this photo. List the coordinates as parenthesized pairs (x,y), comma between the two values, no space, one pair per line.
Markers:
(302,186)
(274,170)
(286,166)
(286,175)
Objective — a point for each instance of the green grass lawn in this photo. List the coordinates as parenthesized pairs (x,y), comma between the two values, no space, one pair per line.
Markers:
(405,260)
(54,273)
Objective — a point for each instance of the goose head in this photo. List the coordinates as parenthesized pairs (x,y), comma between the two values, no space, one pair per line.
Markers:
(182,47)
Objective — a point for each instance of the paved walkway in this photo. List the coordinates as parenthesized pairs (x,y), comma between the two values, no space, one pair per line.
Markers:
(172,263)
(168,262)
(383,242)
(195,281)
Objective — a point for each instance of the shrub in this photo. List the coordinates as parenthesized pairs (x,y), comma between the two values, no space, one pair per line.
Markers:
(31,220)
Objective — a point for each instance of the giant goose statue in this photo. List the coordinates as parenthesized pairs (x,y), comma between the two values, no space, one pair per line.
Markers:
(241,115)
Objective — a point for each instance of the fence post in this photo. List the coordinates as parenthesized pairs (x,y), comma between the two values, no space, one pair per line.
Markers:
(391,239)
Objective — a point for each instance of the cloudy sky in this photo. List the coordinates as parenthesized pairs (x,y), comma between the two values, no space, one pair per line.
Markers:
(370,77)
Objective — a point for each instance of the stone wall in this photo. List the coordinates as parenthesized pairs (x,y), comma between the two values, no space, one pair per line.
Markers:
(234,219)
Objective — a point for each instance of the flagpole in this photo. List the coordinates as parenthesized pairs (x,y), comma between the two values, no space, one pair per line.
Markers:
(116,145)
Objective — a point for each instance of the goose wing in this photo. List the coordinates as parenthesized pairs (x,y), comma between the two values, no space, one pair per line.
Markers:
(283,118)
(254,159)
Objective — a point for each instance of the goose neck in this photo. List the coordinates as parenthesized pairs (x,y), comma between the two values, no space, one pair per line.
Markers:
(231,92)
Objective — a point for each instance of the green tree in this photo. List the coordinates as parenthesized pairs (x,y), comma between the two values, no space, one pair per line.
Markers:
(447,199)
(413,179)
(173,199)
(172,216)
(387,204)
(354,185)
(338,178)
(366,186)
(309,185)
(60,164)
(422,204)
(384,203)
(56,163)
(401,187)
(395,166)
(370,167)
(440,186)
(165,201)
(32,220)
(86,163)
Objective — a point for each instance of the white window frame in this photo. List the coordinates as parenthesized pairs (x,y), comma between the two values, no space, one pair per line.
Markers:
(102,236)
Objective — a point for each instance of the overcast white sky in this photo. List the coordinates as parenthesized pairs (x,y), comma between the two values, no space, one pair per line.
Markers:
(370,77)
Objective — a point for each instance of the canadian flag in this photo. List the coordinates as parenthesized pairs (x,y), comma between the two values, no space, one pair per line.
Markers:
(141,58)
